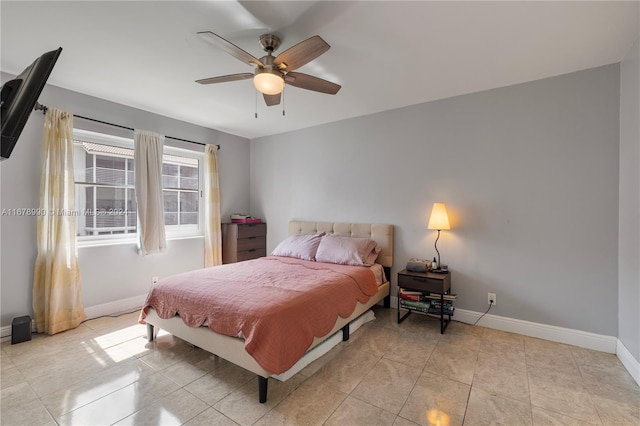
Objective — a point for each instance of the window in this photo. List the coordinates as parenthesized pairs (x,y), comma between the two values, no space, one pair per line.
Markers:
(105,188)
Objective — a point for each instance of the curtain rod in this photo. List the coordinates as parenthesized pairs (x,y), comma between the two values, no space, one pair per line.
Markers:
(43,108)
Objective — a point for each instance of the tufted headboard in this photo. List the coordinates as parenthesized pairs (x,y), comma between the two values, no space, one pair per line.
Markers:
(380,233)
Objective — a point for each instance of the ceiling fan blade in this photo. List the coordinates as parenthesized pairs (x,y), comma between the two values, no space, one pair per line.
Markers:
(225,78)
(301,54)
(272,100)
(309,82)
(230,48)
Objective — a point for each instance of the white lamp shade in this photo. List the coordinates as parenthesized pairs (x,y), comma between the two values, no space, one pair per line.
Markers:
(439,218)
(268,83)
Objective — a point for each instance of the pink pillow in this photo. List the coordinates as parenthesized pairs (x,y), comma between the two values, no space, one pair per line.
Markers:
(299,246)
(345,250)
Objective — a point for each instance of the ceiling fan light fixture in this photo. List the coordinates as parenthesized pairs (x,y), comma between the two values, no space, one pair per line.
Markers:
(268,82)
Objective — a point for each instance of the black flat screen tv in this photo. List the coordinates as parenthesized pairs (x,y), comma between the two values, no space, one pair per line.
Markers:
(19,96)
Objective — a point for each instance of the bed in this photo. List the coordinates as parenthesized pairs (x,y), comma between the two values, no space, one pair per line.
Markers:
(194,326)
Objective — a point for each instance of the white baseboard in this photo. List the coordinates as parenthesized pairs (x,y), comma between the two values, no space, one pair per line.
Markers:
(116,307)
(584,339)
(111,308)
(553,333)
(630,363)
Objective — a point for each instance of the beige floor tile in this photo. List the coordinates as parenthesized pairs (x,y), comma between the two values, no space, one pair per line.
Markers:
(327,358)
(174,409)
(211,417)
(310,404)
(484,408)
(96,387)
(64,378)
(353,411)
(556,360)
(11,376)
(167,350)
(411,351)
(122,403)
(401,421)
(615,375)
(137,347)
(20,392)
(566,397)
(543,417)
(584,356)
(502,375)
(5,360)
(375,340)
(436,398)
(120,335)
(243,407)
(25,413)
(463,335)
(387,385)
(386,318)
(616,405)
(184,373)
(455,362)
(220,382)
(502,343)
(347,370)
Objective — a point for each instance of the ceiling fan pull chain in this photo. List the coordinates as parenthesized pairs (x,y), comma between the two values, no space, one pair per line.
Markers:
(256,98)
(283,102)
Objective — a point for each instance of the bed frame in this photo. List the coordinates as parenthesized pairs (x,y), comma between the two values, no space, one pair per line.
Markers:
(232,348)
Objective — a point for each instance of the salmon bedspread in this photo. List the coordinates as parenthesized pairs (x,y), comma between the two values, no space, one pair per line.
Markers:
(279,304)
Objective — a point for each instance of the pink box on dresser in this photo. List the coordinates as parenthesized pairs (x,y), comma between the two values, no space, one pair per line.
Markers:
(247,220)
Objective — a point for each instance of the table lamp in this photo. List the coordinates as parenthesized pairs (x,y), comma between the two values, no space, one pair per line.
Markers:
(439,220)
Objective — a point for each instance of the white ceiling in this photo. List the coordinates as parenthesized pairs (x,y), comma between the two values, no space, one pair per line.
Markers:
(385,55)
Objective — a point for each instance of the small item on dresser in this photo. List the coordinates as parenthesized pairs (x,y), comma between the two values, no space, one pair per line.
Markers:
(418,265)
(434,264)
(444,267)
(240,218)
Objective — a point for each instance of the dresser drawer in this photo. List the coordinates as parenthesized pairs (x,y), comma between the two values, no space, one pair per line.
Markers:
(247,230)
(250,243)
(424,283)
(251,254)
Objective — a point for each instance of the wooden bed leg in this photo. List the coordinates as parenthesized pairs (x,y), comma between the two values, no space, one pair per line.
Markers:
(387,302)
(345,333)
(262,388)
(150,332)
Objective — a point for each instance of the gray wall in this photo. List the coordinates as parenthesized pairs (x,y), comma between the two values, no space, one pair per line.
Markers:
(109,273)
(629,228)
(529,174)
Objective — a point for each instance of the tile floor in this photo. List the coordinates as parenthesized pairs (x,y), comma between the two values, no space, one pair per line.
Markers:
(105,372)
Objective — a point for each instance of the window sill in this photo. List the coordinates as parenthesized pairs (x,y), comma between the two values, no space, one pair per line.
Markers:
(129,241)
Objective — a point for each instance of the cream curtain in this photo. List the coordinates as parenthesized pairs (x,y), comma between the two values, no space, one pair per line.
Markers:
(57,293)
(212,232)
(147,154)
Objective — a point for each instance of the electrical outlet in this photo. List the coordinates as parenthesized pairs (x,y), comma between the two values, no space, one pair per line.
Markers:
(491,297)
(154,280)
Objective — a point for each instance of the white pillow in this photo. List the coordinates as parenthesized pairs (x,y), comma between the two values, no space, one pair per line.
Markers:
(299,246)
(345,250)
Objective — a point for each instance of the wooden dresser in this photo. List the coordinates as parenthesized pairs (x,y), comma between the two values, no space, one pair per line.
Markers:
(243,241)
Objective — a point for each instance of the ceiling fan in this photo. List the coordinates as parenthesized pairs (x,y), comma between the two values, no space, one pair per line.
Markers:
(271,72)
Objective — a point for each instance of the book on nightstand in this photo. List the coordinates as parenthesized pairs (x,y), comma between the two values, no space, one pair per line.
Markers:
(415,296)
